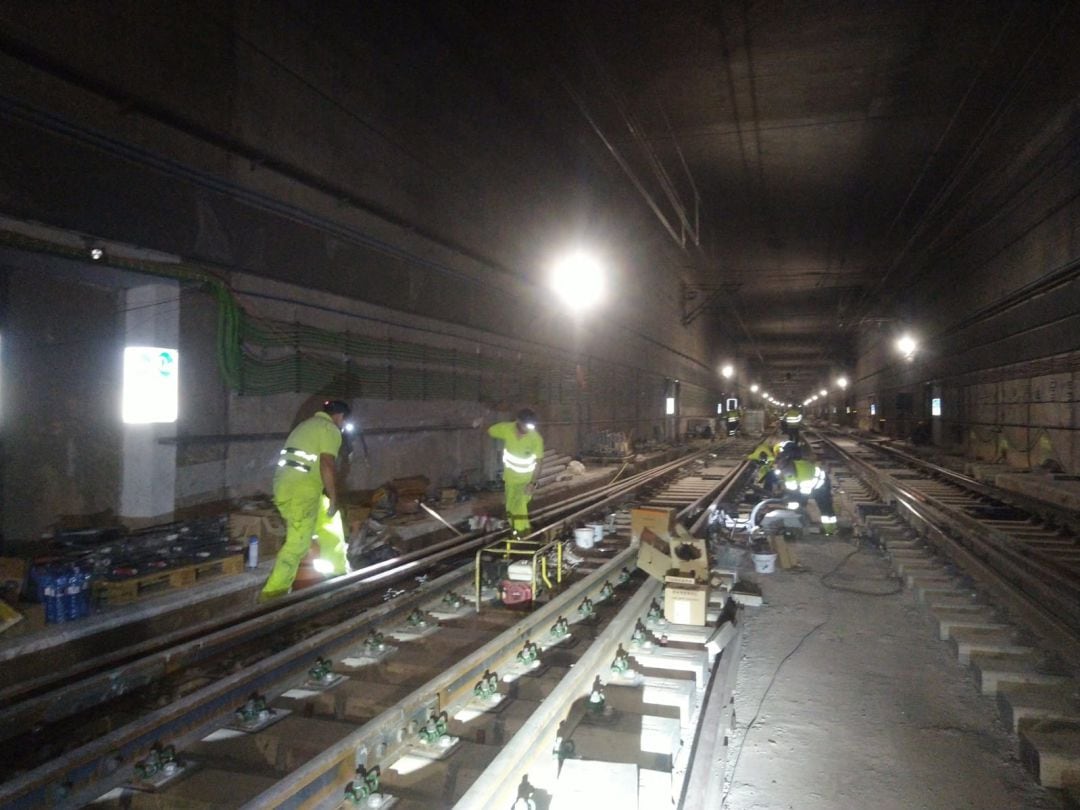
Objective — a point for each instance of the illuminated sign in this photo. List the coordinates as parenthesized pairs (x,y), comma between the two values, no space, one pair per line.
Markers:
(151,384)
(669,406)
(935,406)
(873,409)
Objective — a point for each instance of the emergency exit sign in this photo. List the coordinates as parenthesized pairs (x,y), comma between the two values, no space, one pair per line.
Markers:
(151,384)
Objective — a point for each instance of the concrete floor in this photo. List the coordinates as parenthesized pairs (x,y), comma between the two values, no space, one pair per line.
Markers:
(868,708)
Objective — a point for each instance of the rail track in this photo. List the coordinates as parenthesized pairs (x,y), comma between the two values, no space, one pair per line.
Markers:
(999,574)
(333,685)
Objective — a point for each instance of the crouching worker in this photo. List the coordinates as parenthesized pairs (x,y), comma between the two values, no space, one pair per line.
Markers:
(305,493)
(808,480)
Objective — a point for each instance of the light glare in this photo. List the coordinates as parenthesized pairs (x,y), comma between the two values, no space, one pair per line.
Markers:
(578,279)
(906,345)
(151,385)
(727,371)
(842,382)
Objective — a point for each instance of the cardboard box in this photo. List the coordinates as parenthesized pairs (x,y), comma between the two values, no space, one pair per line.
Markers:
(690,553)
(654,555)
(13,572)
(685,599)
(266,524)
(660,522)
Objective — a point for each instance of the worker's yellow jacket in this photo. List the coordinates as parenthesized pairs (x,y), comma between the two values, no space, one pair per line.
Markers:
(521,454)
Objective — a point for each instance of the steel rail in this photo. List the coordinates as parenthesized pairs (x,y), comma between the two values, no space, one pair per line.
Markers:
(982,551)
(1058,514)
(120,672)
(532,746)
(83,774)
(320,781)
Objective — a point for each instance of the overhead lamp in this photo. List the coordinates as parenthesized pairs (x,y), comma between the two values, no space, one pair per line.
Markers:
(578,279)
(906,345)
(728,371)
(823,392)
(842,382)
(754,388)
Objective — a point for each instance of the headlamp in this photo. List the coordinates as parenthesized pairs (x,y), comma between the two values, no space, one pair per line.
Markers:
(348,427)
(530,426)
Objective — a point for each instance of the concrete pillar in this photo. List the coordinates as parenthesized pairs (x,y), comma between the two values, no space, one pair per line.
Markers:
(148,479)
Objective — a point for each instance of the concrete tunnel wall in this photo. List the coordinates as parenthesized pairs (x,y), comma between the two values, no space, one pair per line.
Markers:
(348,205)
(996,304)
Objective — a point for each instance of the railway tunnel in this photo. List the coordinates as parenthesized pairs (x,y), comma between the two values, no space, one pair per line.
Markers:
(661,236)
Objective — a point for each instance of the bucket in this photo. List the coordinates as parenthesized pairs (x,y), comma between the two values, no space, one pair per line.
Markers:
(597,530)
(764,563)
(584,538)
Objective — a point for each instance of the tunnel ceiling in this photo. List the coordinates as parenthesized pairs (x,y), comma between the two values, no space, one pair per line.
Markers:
(807,143)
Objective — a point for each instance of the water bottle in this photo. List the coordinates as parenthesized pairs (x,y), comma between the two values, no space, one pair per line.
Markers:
(253,552)
(48,594)
(71,594)
(84,595)
(55,597)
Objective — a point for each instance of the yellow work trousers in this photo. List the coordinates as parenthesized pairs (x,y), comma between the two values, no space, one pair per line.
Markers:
(517,505)
(304,511)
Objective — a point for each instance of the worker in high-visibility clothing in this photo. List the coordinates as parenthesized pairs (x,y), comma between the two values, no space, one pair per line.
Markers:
(790,423)
(733,418)
(805,479)
(523,459)
(306,495)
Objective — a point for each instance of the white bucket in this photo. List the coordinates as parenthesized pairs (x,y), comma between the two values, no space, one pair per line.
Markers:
(764,563)
(597,530)
(584,538)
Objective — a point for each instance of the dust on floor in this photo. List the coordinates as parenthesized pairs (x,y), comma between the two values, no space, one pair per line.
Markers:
(853,702)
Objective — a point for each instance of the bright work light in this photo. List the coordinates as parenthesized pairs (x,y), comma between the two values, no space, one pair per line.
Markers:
(753,388)
(151,385)
(842,382)
(906,345)
(823,392)
(578,279)
(727,371)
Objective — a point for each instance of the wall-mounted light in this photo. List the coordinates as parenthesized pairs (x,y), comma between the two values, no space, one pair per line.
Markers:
(907,346)
(151,384)
(578,279)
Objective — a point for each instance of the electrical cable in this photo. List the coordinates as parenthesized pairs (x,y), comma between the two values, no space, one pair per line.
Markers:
(898,587)
(764,695)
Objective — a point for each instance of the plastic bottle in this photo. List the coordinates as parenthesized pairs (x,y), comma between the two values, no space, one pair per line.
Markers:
(84,595)
(54,604)
(48,594)
(253,552)
(71,594)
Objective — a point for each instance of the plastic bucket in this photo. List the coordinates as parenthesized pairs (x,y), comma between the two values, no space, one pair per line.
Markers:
(764,563)
(597,530)
(584,538)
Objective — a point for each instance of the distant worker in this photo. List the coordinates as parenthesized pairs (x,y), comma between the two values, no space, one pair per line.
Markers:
(790,423)
(523,459)
(306,494)
(806,479)
(733,417)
